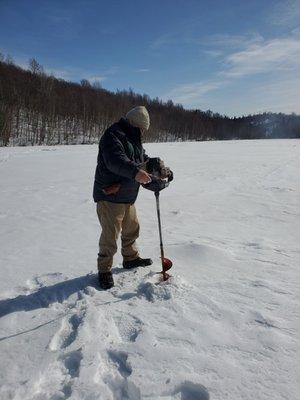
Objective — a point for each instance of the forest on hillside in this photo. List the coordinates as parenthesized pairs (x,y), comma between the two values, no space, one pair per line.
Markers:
(36,109)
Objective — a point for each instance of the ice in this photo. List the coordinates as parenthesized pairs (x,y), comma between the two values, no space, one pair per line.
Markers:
(225,326)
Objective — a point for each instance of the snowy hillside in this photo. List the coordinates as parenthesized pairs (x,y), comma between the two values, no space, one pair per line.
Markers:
(226,326)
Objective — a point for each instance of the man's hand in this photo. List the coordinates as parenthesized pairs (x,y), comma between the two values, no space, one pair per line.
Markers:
(143,177)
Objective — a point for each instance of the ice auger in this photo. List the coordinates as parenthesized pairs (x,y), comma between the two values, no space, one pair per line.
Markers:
(160,179)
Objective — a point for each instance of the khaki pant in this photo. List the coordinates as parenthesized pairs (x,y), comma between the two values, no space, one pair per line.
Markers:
(115,218)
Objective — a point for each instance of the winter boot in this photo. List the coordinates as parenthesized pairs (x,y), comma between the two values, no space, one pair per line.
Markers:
(106,280)
(138,262)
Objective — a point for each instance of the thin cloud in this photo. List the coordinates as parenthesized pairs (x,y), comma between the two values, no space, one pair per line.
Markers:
(214,53)
(226,42)
(142,70)
(60,73)
(279,58)
(93,79)
(281,95)
(273,55)
(163,40)
(277,96)
(190,93)
(286,13)
(111,70)
(182,36)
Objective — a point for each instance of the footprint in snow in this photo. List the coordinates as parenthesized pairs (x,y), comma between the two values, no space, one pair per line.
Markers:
(72,362)
(191,391)
(67,333)
(260,319)
(187,391)
(129,327)
(119,358)
(255,245)
(40,281)
(176,212)
(128,389)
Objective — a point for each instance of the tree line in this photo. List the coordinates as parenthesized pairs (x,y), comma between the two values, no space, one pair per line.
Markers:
(36,109)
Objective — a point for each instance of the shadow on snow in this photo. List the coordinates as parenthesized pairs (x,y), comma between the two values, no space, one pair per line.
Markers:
(47,295)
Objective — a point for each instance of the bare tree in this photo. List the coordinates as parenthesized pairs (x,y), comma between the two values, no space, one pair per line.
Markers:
(35,67)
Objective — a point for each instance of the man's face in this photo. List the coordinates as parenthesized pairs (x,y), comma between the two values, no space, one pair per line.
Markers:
(142,131)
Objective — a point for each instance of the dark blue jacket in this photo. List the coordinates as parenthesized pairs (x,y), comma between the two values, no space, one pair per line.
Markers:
(120,155)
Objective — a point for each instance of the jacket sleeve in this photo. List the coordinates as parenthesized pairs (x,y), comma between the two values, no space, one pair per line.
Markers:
(115,158)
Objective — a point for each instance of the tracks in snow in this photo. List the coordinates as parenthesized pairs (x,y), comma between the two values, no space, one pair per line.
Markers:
(103,341)
(141,340)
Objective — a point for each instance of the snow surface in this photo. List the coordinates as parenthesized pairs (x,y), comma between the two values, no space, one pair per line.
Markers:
(226,326)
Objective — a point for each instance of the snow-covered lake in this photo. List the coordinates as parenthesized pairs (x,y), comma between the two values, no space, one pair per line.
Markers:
(225,326)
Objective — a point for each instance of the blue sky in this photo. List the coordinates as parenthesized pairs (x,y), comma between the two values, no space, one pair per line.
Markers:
(234,57)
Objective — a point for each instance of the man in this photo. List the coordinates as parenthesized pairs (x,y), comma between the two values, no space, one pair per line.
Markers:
(118,176)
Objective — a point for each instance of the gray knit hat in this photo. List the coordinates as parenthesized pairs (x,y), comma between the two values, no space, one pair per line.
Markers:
(139,117)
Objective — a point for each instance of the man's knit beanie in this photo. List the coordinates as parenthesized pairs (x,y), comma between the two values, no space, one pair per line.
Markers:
(139,117)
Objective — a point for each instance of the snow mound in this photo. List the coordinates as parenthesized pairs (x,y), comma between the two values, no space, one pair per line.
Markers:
(154,288)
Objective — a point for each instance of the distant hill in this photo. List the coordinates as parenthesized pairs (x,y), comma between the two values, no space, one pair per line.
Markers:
(36,109)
